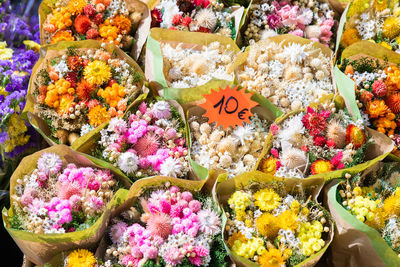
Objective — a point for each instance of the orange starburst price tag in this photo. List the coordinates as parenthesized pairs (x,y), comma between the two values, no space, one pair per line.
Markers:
(228,107)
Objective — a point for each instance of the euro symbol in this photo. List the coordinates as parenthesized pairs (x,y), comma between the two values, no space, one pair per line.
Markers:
(242,113)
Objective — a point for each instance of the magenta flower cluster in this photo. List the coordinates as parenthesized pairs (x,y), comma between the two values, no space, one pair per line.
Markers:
(175,226)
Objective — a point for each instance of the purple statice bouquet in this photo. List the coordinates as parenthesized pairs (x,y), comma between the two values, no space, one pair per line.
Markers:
(53,198)
(18,54)
(175,228)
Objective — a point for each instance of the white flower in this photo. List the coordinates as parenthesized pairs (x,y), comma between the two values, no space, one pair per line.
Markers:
(128,162)
(61,68)
(243,133)
(86,129)
(170,9)
(295,53)
(171,167)
(206,18)
(117,125)
(209,222)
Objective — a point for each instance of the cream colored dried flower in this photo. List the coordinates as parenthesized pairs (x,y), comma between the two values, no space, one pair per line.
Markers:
(206,18)
(227,144)
(294,158)
(337,133)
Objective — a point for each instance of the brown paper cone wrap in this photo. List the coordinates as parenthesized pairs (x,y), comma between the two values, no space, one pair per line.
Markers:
(355,243)
(141,31)
(256,179)
(51,51)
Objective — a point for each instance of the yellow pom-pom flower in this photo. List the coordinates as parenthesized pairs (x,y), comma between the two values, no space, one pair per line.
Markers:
(98,115)
(81,258)
(267,199)
(248,248)
(268,225)
(272,257)
(391,27)
(97,72)
(239,201)
(310,238)
(288,220)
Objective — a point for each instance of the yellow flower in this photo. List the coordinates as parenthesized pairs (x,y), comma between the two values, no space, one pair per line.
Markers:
(391,205)
(272,257)
(391,27)
(248,248)
(5,53)
(98,115)
(310,237)
(239,201)
(357,7)
(81,258)
(350,36)
(97,72)
(267,199)
(295,206)
(16,133)
(76,6)
(3,91)
(268,225)
(288,220)
(32,45)
(380,5)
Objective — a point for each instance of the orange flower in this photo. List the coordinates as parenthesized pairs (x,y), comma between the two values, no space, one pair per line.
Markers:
(386,124)
(76,6)
(122,23)
(393,78)
(98,115)
(62,36)
(52,98)
(110,33)
(321,166)
(355,135)
(74,62)
(234,237)
(349,70)
(82,24)
(61,19)
(66,102)
(393,101)
(112,94)
(269,165)
(376,108)
(83,90)
(350,36)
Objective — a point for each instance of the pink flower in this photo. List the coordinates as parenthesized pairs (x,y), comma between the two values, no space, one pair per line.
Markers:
(28,196)
(305,148)
(274,129)
(170,134)
(151,252)
(305,17)
(319,140)
(336,160)
(175,211)
(94,184)
(194,205)
(192,231)
(197,261)
(379,88)
(297,32)
(159,224)
(165,206)
(173,256)
(187,196)
(143,107)
(161,110)
(201,251)
(274,152)
(117,231)
(330,143)
(288,15)
(129,258)
(209,222)
(96,203)
(174,189)
(329,22)
(153,208)
(201,3)
(68,190)
(135,252)
(49,163)
(176,20)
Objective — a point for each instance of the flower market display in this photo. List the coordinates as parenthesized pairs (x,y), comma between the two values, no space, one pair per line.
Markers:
(200,132)
(150,141)
(82,88)
(290,74)
(314,20)
(195,16)
(378,93)
(315,141)
(167,226)
(274,223)
(110,21)
(234,149)
(57,199)
(190,67)
(373,20)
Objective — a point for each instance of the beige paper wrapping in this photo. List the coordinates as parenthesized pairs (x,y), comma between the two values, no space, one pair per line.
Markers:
(224,189)
(51,51)
(40,248)
(141,31)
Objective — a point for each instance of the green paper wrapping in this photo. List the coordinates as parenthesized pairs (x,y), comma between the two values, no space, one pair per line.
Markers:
(141,31)
(355,243)
(374,153)
(154,62)
(263,111)
(225,188)
(40,248)
(87,144)
(284,39)
(50,51)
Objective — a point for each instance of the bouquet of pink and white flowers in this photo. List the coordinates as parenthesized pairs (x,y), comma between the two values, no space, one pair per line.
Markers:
(150,141)
(57,199)
(167,226)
